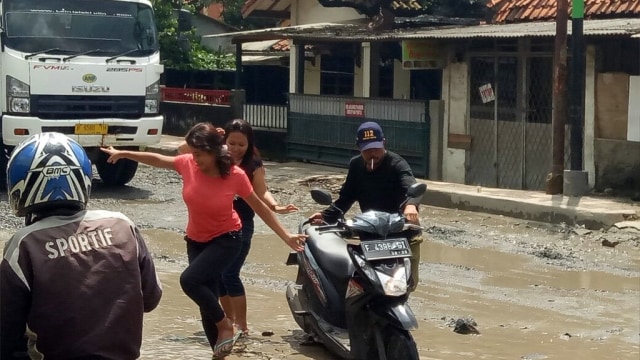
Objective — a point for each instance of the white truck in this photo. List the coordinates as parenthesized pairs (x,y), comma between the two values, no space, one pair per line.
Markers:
(89,69)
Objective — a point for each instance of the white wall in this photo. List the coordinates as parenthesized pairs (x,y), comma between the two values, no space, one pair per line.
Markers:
(401,81)
(633,126)
(310,12)
(590,115)
(455,89)
(312,77)
(358,72)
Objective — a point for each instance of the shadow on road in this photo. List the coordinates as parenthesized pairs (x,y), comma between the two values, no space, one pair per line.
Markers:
(101,191)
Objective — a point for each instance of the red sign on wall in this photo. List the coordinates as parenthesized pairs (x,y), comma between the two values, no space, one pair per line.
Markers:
(353,109)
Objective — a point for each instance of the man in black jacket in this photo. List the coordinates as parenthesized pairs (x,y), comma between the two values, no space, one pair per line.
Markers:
(74,283)
(377,179)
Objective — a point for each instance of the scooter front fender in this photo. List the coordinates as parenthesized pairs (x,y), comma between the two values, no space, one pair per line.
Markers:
(399,315)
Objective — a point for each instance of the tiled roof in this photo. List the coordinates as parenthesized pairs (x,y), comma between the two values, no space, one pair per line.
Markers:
(283,45)
(531,10)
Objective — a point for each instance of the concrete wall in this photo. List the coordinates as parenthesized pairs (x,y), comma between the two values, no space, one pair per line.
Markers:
(617,165)
(358,78)
(312,77)
(455,92)
(207,26)
(311,12)
(612,104)
(401,81)
(590,115)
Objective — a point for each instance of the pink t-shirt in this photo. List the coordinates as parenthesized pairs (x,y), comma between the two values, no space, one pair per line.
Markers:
(209,200)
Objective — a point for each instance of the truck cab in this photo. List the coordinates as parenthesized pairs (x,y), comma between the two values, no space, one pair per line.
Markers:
(87,69)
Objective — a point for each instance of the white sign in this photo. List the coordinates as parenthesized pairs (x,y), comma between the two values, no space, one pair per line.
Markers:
(633,126)
(487,94)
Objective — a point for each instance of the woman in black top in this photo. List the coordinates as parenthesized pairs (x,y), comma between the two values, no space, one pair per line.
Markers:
(241,146)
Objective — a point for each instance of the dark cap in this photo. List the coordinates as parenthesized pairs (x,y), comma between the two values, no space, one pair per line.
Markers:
(370,136)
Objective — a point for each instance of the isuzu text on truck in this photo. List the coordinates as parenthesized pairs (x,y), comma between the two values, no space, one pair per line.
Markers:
(89,69)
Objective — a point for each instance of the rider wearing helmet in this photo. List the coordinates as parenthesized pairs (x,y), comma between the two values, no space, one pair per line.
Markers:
(74,283)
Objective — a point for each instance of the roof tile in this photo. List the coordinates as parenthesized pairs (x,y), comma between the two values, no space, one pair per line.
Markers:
(530,10)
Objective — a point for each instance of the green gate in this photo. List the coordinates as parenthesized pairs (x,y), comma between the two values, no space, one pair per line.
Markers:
(322,129)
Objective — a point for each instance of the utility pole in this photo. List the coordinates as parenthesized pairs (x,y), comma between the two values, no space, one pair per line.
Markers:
(554,179)
(576,181)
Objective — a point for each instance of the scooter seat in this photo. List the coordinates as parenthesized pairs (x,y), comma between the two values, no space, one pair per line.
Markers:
(330,252)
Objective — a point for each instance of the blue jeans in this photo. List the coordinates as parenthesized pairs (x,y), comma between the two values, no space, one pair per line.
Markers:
(201,279)
(231,284)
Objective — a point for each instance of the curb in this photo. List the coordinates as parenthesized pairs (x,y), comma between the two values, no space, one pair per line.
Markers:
(592,219)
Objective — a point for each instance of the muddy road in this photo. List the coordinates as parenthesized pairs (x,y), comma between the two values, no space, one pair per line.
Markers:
(536,291)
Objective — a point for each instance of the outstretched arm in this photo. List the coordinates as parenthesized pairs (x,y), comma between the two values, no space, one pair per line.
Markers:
(152,159)
(260,188)
(294,241)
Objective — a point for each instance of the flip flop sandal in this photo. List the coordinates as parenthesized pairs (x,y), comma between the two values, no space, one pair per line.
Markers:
(225,347)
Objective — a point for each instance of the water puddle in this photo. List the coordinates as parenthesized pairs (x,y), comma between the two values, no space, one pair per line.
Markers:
(516,271)
(524,309)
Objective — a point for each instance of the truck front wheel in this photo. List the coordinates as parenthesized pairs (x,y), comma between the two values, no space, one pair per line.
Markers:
(116,174)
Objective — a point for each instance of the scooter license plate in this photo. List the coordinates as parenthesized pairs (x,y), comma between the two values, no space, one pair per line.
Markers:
(385,249)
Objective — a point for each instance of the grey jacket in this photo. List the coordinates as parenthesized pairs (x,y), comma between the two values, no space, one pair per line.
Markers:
(76,287)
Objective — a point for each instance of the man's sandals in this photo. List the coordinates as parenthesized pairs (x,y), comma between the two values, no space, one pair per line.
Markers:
(225,347)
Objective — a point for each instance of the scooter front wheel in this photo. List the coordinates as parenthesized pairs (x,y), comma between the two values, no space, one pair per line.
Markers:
(398,345)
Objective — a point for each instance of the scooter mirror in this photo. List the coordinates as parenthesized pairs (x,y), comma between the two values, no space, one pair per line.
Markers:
(416,190)
(321,196)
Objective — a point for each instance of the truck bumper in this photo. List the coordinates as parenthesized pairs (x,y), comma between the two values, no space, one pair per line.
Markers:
(121,132)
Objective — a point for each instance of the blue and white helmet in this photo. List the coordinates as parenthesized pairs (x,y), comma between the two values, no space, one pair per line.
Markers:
(48,171)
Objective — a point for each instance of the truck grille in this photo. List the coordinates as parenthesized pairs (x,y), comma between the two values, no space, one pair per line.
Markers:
(86,107)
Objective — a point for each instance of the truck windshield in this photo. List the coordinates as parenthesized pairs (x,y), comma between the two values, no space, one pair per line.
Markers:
(76,26)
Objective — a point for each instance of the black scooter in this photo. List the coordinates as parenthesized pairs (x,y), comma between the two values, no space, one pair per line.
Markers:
(351,289)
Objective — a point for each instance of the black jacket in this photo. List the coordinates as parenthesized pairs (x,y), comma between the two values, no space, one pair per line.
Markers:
(382,189)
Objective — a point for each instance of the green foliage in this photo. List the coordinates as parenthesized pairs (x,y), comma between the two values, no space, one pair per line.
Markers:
(172,56)
(232,15)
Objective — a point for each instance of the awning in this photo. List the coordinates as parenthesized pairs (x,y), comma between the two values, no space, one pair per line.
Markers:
(262,60)
(331,32)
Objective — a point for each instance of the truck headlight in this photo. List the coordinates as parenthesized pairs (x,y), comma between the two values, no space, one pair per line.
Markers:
(18,94)
(152,98)
(151,106)
(18,105)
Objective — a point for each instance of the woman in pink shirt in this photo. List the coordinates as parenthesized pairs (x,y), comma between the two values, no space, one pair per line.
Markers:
(210,183)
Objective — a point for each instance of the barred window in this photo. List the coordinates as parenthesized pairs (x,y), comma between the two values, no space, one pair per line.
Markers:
(336,75)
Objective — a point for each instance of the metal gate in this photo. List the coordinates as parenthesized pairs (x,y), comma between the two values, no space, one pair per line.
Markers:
(320,130)
(510,121)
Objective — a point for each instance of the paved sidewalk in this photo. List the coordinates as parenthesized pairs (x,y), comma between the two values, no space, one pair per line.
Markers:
(592,212)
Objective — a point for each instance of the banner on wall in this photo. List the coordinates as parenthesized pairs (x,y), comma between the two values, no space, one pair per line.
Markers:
(422,54)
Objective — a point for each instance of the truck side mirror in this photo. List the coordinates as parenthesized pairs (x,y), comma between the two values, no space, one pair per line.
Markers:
(184,20)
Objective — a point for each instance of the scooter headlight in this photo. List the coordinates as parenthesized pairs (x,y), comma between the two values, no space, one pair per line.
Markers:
(394,284)
(368,270)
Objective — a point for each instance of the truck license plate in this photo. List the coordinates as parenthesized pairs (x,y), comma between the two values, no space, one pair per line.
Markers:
(91,129)
(385,249)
